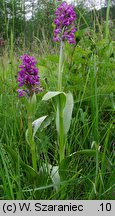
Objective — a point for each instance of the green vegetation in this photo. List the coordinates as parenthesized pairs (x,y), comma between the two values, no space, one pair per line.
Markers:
(87,170)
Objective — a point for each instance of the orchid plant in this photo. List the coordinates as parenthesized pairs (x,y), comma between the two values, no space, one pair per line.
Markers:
(64,31)
(29,83)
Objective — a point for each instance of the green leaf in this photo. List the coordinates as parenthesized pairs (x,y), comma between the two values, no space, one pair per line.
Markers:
(51,94)
(37,123)
(47,122)
(53,173)
(55,176)
(67,112)
(66,101)
(57,119)
(33,99)
(31,104)
(16,158)
(61,101)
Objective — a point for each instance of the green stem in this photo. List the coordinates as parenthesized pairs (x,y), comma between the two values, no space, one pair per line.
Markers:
(60,71)
(31,139)
(61,130)
(60,106)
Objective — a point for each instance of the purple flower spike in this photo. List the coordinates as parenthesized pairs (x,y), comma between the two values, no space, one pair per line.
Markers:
(64,23)
(28,76)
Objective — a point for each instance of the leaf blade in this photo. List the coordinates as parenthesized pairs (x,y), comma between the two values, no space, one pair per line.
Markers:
(51,94)
(67,112)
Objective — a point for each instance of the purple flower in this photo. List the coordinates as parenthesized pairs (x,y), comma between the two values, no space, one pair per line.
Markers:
(21,92)
(28,76)
(64,23)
